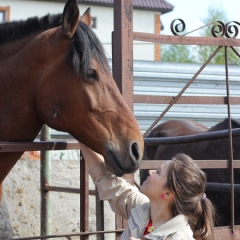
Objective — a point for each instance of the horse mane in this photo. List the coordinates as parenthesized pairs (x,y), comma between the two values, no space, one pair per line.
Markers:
(14,30)
(85,47)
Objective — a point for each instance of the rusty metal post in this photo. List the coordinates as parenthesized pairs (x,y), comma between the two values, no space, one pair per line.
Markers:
(84,198)
(230,141)
(122,50)
(100,216)
(45,178)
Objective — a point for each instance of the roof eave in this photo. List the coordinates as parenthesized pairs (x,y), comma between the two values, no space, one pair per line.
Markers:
(162,10)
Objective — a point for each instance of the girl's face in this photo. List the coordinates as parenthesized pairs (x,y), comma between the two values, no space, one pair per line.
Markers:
(155,184)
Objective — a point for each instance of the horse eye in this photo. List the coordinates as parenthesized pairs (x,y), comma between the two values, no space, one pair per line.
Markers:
(92,74)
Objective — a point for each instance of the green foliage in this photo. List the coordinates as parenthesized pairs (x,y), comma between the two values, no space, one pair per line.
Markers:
(199,54)
(204,52)
(177,53)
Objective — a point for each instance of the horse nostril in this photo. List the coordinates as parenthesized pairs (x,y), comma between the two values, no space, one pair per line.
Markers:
(135,152)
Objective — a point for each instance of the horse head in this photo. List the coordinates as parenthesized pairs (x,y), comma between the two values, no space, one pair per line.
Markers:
(76,93)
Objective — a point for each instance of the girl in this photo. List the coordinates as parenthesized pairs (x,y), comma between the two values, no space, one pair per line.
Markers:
(170,205)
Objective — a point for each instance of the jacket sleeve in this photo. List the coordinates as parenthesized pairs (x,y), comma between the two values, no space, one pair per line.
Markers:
(121,195)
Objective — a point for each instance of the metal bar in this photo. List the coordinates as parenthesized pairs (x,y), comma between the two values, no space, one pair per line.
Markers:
(185,99)
(84,198)
(192,138)
(122,49)
(99,216)
(235,51)
(230,139)
(223,187)
(33,146)
(68,236)
(186,40)
(182,91)
(38,146)
(218,164)
(19,147)
(45,175)
(66,189)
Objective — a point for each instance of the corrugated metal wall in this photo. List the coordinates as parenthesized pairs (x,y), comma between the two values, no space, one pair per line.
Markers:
(157,78)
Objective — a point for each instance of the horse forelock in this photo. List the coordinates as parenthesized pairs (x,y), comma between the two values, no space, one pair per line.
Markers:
(15,30)
(85,47)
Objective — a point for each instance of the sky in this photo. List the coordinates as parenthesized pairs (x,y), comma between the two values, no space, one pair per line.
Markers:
(193,11)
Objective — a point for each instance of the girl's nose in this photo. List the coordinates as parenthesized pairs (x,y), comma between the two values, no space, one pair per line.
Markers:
(150,172)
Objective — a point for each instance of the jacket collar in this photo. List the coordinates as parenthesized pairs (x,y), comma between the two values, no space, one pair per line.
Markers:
(141,215)
(174,225)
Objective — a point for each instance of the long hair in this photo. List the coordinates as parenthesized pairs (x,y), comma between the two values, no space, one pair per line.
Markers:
(187,181)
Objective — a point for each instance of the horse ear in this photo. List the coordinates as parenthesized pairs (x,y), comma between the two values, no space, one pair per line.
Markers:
(70,18)
(87,17)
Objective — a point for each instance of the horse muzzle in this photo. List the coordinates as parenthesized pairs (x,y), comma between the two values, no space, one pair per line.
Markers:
(123,162)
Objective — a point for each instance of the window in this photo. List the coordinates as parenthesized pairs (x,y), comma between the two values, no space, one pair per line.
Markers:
(4,14)
(94,22)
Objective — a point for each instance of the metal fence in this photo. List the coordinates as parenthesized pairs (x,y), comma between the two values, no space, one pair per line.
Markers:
(123,36)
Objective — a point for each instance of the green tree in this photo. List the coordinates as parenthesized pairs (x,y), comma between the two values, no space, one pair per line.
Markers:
(214,15)
(177,53)
(199,54)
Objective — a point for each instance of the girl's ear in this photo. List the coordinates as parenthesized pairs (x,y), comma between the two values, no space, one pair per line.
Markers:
(168,195)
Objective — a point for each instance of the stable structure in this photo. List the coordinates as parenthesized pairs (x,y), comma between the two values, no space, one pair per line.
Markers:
(147,17)
(123,62)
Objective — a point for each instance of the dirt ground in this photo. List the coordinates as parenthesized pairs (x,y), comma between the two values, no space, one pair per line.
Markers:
(20,206)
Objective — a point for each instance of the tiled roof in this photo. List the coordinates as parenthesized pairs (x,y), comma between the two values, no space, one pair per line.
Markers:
(150,5)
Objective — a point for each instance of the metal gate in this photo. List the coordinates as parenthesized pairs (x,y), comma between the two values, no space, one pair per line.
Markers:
(123,37)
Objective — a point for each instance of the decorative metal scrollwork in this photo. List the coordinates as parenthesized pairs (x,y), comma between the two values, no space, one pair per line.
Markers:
(219,29)
(232,29)
(178,28)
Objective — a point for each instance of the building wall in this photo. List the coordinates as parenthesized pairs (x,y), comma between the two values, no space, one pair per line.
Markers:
(143,21)
(168,79)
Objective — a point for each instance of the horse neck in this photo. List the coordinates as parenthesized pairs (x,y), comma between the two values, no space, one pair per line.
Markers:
(10,49)
(30,56)
(17,91)
(20,78)
(20,33)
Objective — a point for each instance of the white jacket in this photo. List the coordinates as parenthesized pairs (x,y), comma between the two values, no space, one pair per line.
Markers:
(128,202)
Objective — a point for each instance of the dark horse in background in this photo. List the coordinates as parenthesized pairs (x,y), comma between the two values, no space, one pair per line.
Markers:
(205,150)
(59,75)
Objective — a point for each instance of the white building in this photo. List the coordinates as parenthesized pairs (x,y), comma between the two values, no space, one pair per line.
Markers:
(146,18)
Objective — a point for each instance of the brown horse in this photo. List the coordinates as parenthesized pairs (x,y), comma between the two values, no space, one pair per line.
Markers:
(18,34)
(172,128)
(60,77)
(205,150)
